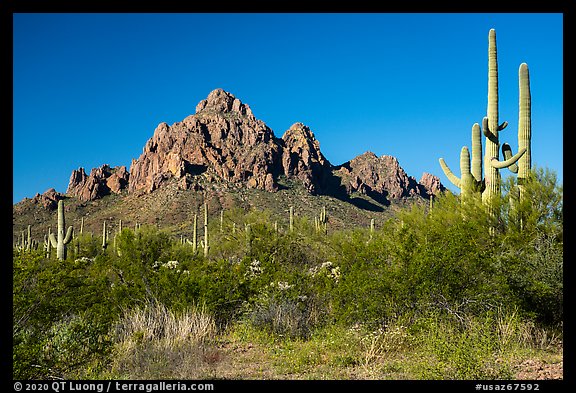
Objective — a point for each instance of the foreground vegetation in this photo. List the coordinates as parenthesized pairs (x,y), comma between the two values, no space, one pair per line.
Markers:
(430,294)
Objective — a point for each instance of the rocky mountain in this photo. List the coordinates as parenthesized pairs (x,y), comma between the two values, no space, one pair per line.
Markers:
(223,154)
(224,142)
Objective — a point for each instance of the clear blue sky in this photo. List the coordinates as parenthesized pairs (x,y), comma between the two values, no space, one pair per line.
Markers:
(90,89)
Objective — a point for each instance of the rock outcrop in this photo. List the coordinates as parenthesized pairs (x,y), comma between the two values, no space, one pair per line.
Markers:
(49,199)
(101,182)
(381,178)
(302,159)
(431,184)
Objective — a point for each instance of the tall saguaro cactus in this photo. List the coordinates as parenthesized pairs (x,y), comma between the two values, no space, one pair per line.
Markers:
(524,165)
(63,239)
(491,128)
(524,126)
(320,221)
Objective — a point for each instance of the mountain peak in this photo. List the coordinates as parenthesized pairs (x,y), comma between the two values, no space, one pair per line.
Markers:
(221,101)
(302,132)
(367,155)
(221,142)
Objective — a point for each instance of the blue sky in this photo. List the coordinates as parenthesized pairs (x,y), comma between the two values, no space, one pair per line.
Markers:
(90,88)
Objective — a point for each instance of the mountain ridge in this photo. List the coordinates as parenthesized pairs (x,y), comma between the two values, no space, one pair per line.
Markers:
(223,151)
(225,142)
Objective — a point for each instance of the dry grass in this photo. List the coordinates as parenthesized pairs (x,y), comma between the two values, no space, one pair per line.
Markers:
(383,343)
(515,332)
(156,323)
(155,342)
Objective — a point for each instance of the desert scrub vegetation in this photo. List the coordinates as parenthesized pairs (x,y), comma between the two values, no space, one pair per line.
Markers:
(428,294)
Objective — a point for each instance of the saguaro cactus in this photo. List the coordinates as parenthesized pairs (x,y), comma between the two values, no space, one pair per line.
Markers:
(477,158)
(47,245)
(104,236)
(63,239)
(524,126)
(489,187)
(524,165)
(491,128)
(470,167)
(29,238)
(194,241)
(206,244)
(323,223)
(291,219)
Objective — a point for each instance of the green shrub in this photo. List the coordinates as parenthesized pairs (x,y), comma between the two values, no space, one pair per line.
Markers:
(531,255)
(58,307)
(452,351)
